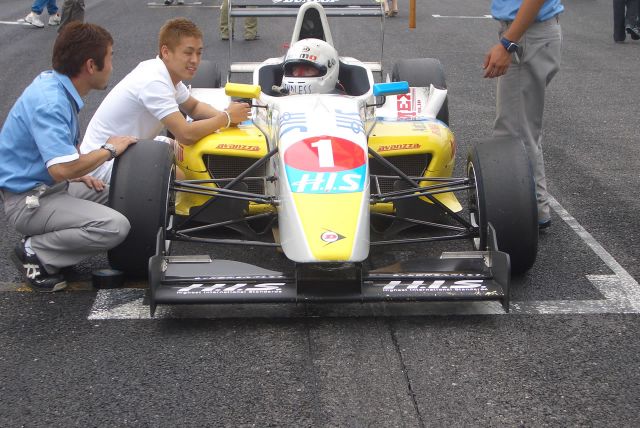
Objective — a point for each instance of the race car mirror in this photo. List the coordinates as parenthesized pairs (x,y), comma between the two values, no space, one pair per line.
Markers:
(242,90)
(389,88)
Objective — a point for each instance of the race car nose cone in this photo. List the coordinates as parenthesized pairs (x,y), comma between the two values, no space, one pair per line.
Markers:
(107,278)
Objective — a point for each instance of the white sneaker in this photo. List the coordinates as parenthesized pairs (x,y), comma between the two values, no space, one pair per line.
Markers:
(54,19)
(34,20)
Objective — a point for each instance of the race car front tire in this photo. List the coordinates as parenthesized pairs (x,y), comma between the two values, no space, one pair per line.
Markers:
(140,189)
(422,72)
(504,195)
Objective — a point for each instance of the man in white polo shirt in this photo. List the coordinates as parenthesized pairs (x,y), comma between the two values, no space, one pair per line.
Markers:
(153,96)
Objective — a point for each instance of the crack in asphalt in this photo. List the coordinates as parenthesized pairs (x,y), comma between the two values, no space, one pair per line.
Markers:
(405,372)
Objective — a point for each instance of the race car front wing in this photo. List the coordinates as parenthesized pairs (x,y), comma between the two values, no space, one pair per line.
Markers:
(454,276)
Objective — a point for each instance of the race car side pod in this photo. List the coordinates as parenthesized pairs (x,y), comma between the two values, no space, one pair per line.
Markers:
(415,185)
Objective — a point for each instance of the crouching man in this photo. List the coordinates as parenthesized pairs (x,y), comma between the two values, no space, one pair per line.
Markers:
(47,194)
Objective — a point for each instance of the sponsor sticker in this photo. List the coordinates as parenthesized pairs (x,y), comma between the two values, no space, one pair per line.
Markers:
(325,164)
(476,285)
(233,288)
(243,147)
(393,147)
(408,105)
(330,237)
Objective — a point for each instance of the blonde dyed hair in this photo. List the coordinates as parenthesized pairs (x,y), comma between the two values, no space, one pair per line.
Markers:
(174,30)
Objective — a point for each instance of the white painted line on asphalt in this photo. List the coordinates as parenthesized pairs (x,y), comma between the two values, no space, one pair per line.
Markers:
(21,22)
(622,288)
(621,292)
(462,17)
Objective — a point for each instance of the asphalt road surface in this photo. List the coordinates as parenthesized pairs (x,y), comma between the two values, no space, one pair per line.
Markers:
(566,354)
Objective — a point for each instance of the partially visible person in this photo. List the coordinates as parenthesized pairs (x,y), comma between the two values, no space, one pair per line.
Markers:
(626,20)
(311,66)
(72,10)
(525,60)
(47,195)
(37,8)
(153,95)
(250,24)
(393,11)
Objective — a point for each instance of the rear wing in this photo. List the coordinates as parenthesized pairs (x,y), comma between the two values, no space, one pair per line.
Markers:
(243,8)
(313,13)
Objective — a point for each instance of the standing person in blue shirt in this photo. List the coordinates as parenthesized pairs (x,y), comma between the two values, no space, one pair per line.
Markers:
(43,183)
(525,60)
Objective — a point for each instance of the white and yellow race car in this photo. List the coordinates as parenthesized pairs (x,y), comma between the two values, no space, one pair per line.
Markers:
(324,178)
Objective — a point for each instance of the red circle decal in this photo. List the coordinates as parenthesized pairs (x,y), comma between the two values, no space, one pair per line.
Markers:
(325,154)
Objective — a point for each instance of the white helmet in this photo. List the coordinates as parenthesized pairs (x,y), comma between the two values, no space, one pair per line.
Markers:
(315,53)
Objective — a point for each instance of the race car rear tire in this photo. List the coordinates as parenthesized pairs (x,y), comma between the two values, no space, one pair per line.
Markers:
(423,72)
(208,76)
(504,195)
(140,189)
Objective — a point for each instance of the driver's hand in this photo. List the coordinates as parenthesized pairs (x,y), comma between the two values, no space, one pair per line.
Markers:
(238,112)
(496,62)
(91,182)
(122,143)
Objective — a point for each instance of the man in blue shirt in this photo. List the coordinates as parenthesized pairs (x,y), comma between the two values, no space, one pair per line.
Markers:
(525,60)
(43,183)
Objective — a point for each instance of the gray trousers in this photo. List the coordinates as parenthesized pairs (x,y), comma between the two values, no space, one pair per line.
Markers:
(71,224)
(72,10)
(520,97)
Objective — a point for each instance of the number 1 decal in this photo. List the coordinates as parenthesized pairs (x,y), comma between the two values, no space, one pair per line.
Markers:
(325,153)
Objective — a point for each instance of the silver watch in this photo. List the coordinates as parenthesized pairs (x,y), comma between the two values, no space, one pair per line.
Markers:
(111,149)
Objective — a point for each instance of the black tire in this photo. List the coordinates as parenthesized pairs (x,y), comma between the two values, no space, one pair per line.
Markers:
(140,184)
(423,72)
(504,196)
(208,76)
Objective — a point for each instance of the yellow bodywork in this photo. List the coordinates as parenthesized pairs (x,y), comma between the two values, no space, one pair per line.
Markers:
(388,138)
(245,141)
(317,220)
(416,137)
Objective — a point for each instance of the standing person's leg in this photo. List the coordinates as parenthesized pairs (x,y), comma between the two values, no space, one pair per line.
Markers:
(54,16)
(38,6)
(52,7)
(394,7)
(224,20)
(520,99)
(618,20)
(633,19)
(72,10)
(33,17)
(251,28)
(68,226)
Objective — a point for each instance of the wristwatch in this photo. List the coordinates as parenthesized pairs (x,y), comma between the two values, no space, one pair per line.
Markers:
(510,46)
(111,149)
